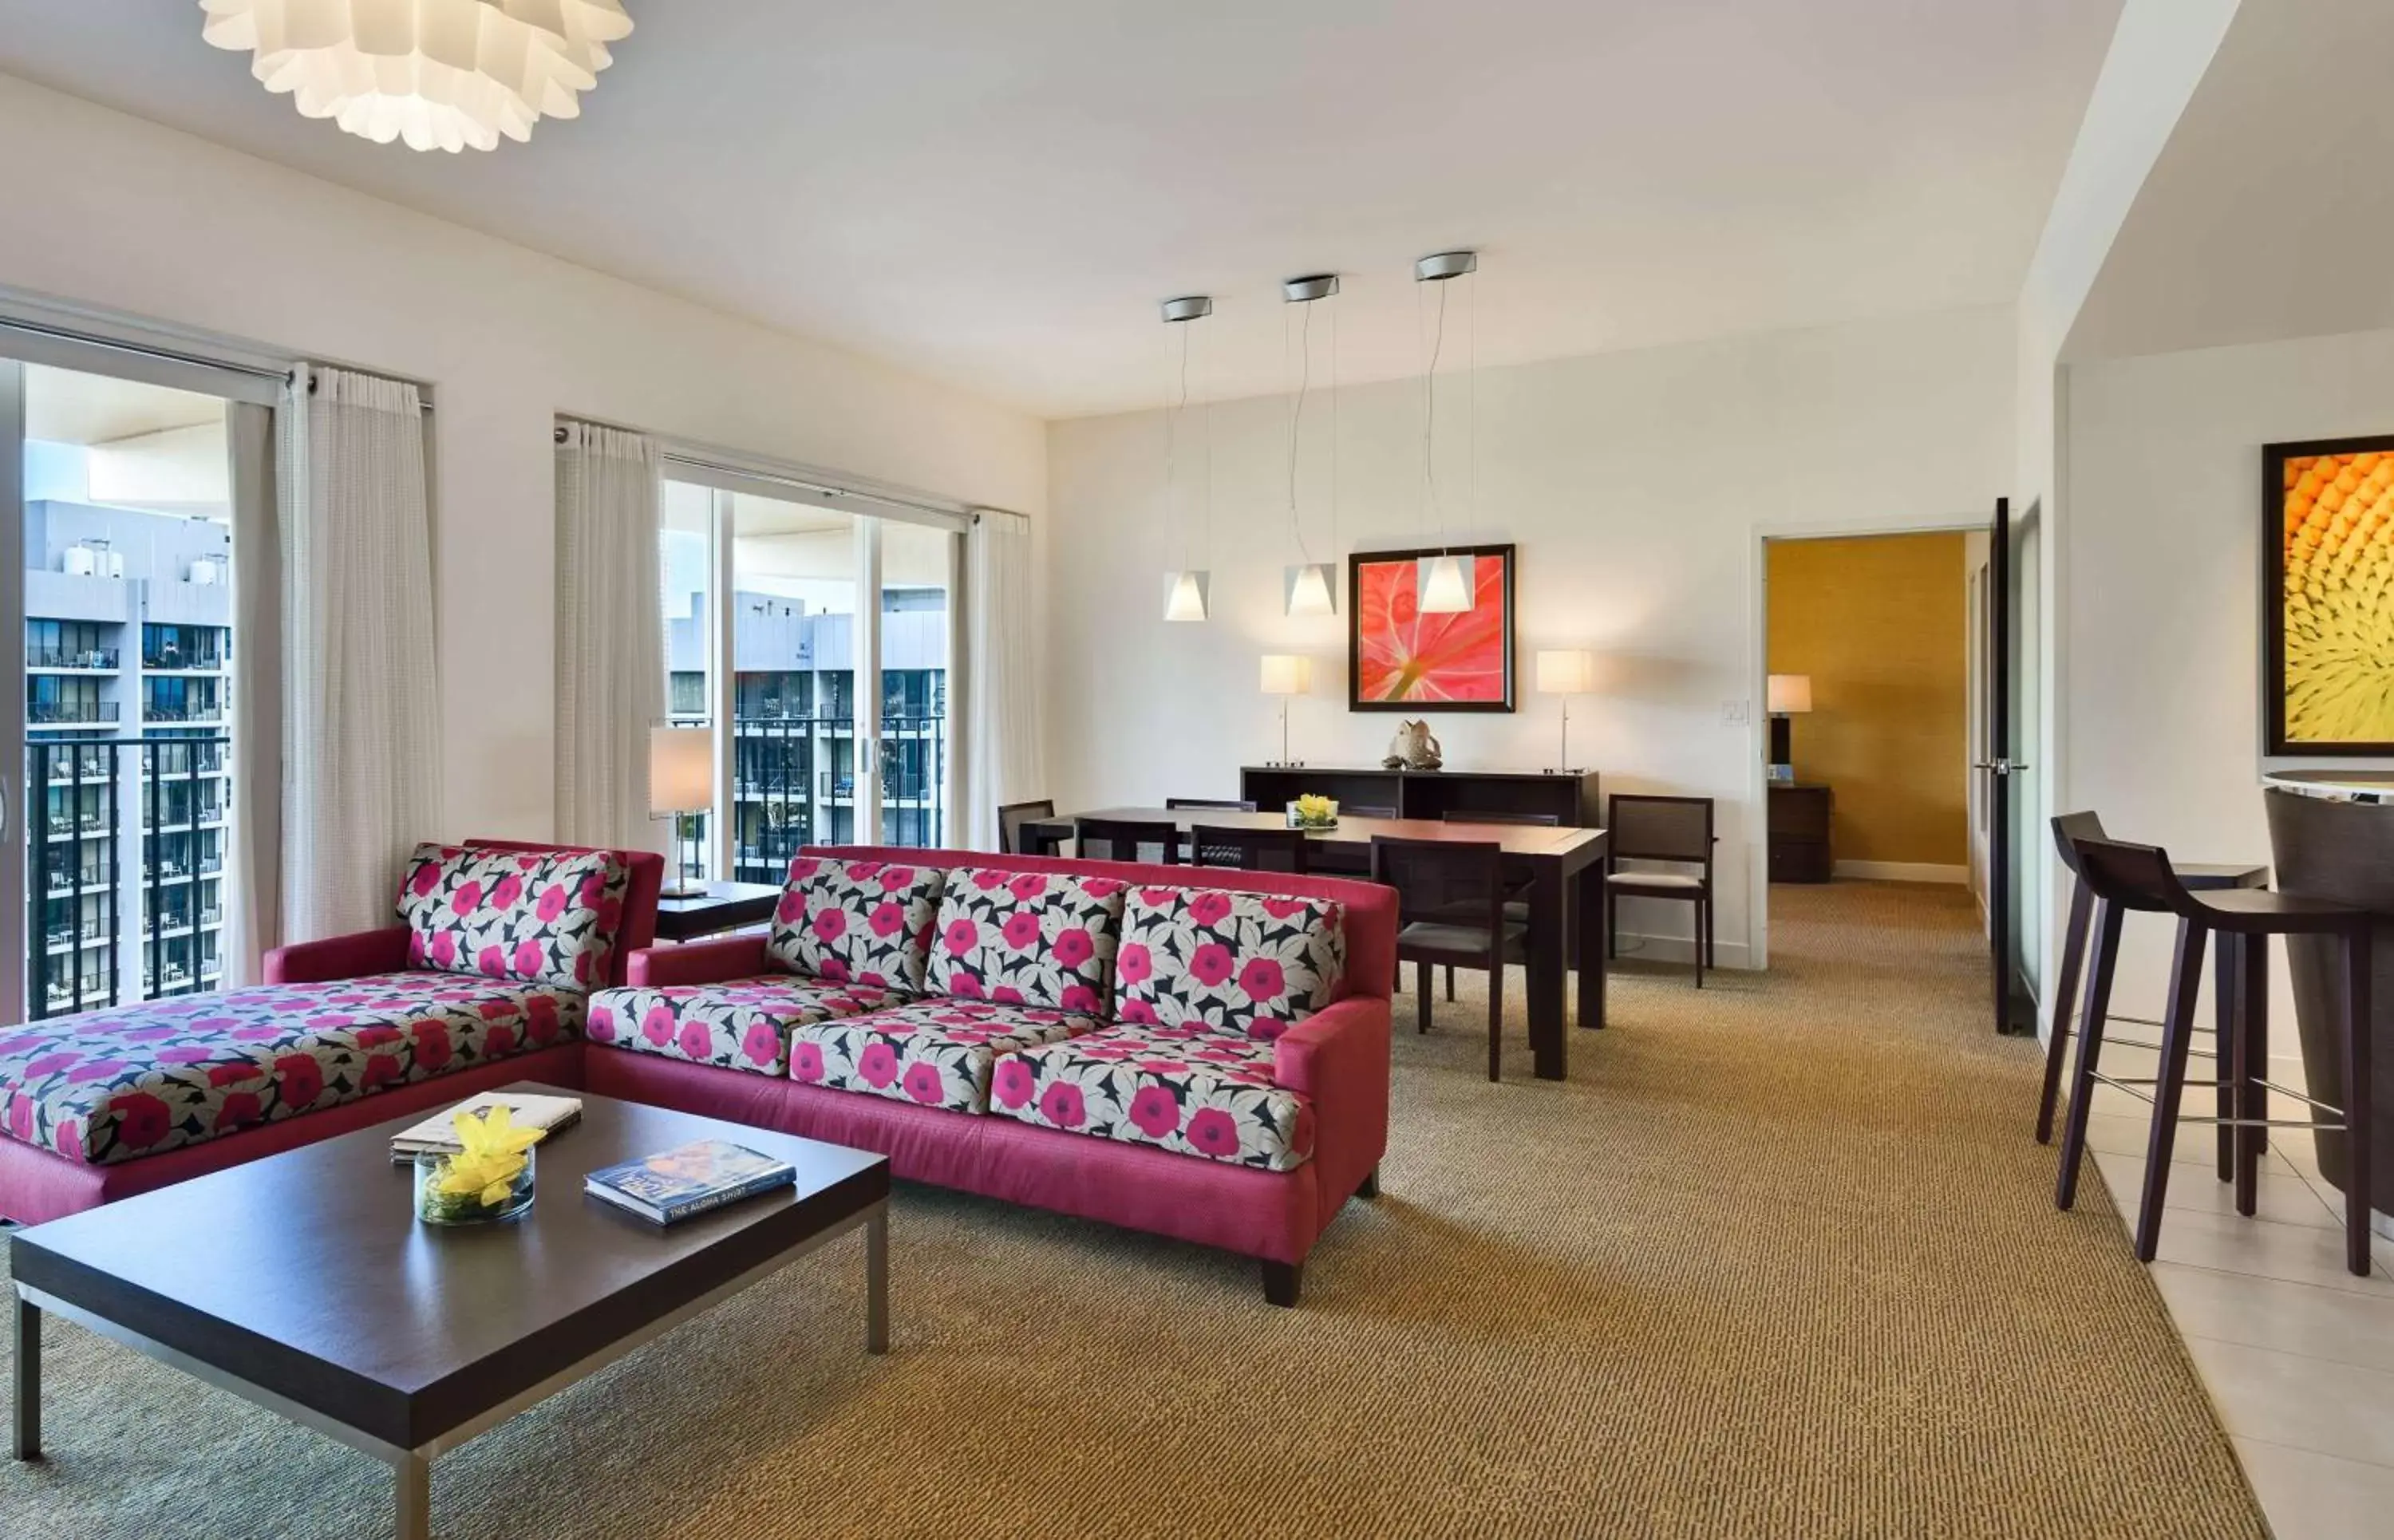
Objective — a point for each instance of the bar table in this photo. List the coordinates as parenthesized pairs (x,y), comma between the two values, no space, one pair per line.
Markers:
(2332,837)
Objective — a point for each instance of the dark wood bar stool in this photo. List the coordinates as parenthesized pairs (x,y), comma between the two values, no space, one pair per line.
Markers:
(1128,839)
(2139,878)
(2203,878)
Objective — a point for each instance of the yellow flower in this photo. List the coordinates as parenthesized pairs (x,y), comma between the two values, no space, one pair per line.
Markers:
(492,1157)
(1314,810)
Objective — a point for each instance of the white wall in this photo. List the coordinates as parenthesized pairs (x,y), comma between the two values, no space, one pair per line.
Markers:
(2164,680)
(119,212)
(1637,486)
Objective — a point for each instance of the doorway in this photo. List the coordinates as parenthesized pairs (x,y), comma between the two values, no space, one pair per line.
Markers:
(1898,674)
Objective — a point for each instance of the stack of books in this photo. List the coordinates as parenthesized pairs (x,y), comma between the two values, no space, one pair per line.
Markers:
(696,1177)
(438,1134)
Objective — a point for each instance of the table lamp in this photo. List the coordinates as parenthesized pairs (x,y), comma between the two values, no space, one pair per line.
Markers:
(1287,674)
(1790,695)
(681,781)
(1566,673)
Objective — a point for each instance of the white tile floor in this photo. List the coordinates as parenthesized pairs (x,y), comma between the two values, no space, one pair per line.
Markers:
(2298,1353)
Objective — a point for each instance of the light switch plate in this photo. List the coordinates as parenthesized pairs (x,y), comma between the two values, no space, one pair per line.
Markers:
(1737,713)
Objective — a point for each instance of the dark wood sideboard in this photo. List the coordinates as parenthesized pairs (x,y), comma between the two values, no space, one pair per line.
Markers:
(1799,832)
(1429,794)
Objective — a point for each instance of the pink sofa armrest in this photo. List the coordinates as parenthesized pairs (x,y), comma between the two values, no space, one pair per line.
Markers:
(352,956)
(1338,1056)
(698,963)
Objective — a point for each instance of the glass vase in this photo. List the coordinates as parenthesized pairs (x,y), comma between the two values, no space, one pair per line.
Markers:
(436,1207)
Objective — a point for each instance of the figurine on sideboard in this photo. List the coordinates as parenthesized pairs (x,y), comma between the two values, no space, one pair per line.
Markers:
(1413,747)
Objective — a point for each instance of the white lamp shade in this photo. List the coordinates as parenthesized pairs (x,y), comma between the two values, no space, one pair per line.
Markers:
(1184,594)
(1570,672)
(1287,674)
(681,770)
(1313,590)
(438,74)
(1446,584)
(1790,694)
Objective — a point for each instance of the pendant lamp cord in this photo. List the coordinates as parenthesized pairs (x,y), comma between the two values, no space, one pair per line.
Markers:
(1296,416)
(1176,527)
(1429,422)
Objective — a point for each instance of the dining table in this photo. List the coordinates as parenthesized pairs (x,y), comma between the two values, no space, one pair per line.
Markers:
(1559,871)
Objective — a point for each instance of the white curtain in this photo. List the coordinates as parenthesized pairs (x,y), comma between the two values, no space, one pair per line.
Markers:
(1003,761)
(360,718)
(609,635)
(254,890)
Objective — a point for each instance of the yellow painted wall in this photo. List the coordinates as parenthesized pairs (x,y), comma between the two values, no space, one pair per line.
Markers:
(1878,623)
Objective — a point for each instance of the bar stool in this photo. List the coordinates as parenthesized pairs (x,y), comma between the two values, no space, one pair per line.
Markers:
(2198,878)
(2127,876)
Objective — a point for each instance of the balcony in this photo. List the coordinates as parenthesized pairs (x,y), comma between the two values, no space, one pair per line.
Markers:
(174,714)
(189,664)
(72,713)
(63,660)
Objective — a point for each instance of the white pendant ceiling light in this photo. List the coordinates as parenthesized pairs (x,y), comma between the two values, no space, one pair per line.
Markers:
(1448,582)
(437,74)
(1187,588)
(1311,587)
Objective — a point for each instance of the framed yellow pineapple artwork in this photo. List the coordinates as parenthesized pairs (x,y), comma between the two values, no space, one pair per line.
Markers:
(2328,610)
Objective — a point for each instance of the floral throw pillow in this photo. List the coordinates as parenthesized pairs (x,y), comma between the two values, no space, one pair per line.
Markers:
(537,916)
(1043,938)
(855,922)
(1249,964)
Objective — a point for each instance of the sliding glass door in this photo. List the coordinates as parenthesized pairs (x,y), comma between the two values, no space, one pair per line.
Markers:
(835,625)
(117,625)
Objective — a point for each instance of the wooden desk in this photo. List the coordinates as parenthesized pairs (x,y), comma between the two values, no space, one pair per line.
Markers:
(1563,867)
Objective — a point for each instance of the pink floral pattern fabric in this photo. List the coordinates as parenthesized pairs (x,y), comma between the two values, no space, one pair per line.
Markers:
(1037,939)
(115,1084)
(934,1053)
(538,916)
(861,922)
(739,1024)
(1251,965)
(1188,1090)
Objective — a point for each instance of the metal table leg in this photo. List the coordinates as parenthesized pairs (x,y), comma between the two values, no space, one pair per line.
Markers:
(29,1379)
(876,1280)
(413,1474)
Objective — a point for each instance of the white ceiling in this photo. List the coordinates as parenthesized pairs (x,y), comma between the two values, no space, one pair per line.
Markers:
(2280,186)
(998,194)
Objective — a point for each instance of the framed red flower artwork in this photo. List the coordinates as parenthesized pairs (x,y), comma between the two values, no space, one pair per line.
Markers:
(1398,659)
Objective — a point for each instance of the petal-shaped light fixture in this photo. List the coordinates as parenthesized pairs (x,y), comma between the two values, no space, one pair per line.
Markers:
(437,74)
(1448,585)
(1185,595)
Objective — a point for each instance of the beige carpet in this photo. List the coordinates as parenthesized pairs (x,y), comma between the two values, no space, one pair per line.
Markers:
(1780,1260)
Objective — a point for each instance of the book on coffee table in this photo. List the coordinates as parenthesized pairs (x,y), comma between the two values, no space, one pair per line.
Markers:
(438,1134)
(689,1180)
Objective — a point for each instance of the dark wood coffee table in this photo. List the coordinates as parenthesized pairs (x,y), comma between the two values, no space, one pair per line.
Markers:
(437,1333)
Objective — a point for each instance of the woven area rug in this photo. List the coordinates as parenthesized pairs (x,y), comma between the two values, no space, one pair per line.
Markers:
(1780,1259)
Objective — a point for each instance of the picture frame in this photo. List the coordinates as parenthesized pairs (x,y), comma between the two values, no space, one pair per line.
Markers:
(2313,701)
(1399,660)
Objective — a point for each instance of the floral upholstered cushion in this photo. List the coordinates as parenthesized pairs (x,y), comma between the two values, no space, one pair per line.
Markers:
(114,1084)
(541,917)
(860,922)
(937,1053)
(1250,964)
(1043,938)
(740,1024)
(1187,1090)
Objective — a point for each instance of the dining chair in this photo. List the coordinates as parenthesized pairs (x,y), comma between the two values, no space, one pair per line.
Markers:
(1674,829)
(1011,819)
(1128,839)
(1451,910)
(1516,904)
(1249,850)
(1232,805)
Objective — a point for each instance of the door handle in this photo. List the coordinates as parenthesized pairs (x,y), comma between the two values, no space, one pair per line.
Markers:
(2000,767)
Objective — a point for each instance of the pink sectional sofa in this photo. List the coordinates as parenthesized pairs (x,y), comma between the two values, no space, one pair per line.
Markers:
(1197,1053)
(485,980)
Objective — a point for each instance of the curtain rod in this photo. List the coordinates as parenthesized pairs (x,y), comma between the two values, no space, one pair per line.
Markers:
(87,339)
(697,458)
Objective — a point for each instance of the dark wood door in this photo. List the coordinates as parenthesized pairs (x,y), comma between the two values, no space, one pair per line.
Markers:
(2014,1010)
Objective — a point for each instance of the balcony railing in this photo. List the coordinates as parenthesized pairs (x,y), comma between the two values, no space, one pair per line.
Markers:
(153,712)
(191,663)
(86,878)
(71,713)
(98,658)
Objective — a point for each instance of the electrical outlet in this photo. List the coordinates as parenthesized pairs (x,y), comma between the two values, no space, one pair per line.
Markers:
(1737,713)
